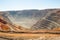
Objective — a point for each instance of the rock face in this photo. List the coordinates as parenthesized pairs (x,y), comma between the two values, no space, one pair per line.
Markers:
(6,24)
(50,21)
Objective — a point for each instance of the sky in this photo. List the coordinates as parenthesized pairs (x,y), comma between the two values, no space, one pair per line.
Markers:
(6,5)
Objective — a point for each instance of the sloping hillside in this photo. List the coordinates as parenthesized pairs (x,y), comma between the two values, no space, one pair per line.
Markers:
(50,21)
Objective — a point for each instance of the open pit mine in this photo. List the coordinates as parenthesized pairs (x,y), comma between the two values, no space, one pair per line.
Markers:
(45,25)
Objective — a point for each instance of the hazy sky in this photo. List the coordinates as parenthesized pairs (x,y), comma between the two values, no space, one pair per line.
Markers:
(28,4)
